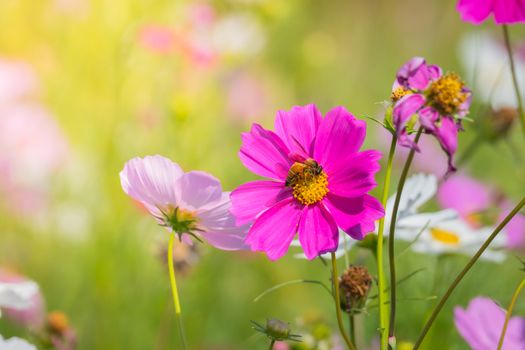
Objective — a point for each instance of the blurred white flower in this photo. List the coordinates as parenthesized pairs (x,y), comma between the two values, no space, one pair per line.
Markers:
(17,295)
(238,34)
(15,343)
(487,66)
(452,236)
(438,232)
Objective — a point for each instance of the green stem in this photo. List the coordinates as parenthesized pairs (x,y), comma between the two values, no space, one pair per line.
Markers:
(509,313)
(351,324)
(335,281)
(463,272)
(391,253)
(175,293)
(271,344)
(383,308)
(514,77)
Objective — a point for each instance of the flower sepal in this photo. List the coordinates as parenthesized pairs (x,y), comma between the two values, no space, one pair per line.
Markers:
(276,330)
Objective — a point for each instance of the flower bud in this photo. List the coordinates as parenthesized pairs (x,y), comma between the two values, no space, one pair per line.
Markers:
(497,123)
(277,329)
(355,284)
(57,322)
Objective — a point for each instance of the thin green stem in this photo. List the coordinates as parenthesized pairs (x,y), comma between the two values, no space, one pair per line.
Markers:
(463,272)
(514,77)
(271,344)
(351,325)
(175,293)
(509,313)
(335,281)
(391,252)
(382,293)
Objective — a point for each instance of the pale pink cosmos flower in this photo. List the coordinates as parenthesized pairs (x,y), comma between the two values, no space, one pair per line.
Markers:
(319,181)
(34,148)
(189,204)
(17,81)
(247,97)
(32,314)
(504,11)
(15,343)
(481,323)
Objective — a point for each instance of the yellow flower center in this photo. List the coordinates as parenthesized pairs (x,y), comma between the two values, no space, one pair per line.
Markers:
(444,236)
(308,181)
(399,93)
(447,93)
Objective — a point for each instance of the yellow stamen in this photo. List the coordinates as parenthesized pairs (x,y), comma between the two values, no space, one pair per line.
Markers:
(444,236)
(447,93)
(309,188)
(399,93)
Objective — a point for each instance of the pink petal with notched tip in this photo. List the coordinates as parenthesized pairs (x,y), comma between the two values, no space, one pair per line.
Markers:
(275,229)
(318,232)
(264,153)
(340,135)
(252,198)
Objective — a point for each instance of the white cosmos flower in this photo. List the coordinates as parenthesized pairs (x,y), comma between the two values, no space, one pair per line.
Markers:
(438,232)
(15,343)
(17,295)
(452,236)
(487,65)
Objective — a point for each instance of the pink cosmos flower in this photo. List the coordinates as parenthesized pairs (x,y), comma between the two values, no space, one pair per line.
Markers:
(439,101)
(17,81)
(319,181)
(31,315)
(474,201)
(504,11)
(189,204)
(34,148)
(157,38)
(481,325)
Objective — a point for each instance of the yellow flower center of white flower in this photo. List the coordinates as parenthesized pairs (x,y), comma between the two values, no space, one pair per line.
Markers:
(308,181)
(447,93)
(444,236)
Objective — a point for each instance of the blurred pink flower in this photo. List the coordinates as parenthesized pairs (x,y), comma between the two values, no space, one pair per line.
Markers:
(157,38)
(247,98)
(481,323)
(280,345)
(465,195)
(319,181)
(504,11)
(33,149)
(189,204)
(17,81)
(33,315)
(473,199)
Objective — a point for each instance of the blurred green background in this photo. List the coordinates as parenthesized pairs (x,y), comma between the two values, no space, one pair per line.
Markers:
(117,95)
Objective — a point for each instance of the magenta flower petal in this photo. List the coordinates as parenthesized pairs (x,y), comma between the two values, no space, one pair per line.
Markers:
(515,229)
(414,74)
(298,128)
(197,189)
(428,118)
(405,108)
(355,177)
(465,195)
(252,198)
(509,11)
(150,180)
(481,324)
(474,11)
(447,135)
(340,135)
(264,153)
(355,216)
(275,229)
(318,231)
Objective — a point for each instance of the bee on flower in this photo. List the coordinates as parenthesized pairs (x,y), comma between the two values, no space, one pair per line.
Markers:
(319,182)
